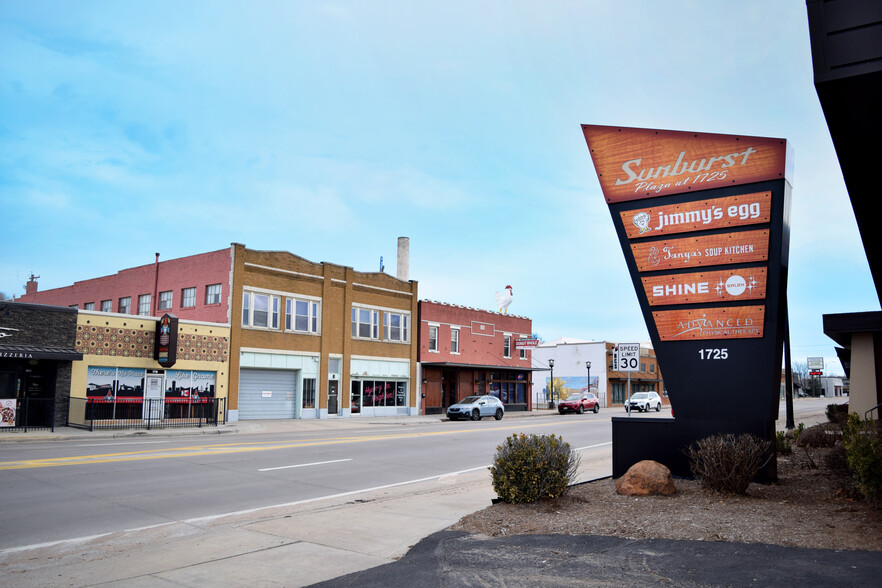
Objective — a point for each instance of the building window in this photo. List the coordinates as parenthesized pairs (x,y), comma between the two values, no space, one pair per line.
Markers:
(454,340)
(107,306)
(395,327)
(188,297)
(652,368)
(89,306)
(365,323)
(165,300)
(302,315)
(506,346)
(144,304)
(213,294)
(308,392)
(433,338)
(260,310)
(125,305)
(522,353)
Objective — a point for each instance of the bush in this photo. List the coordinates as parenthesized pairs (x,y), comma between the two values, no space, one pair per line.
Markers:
(727,463)
(863,453)
(529,467)
(816,436)
(782,443)
(837,413)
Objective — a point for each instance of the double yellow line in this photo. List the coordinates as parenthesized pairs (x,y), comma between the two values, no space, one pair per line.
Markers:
(227,448)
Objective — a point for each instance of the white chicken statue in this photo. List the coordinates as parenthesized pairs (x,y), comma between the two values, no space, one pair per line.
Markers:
(503,299)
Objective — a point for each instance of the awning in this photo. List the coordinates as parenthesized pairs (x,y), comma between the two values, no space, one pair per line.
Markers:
(36,352)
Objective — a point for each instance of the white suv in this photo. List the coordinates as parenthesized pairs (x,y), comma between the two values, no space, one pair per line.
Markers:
(643,401)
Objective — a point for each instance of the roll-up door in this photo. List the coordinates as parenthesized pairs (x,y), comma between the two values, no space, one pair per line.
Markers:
(267,394)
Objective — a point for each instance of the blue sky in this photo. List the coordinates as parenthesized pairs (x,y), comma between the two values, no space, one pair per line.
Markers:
(329,129)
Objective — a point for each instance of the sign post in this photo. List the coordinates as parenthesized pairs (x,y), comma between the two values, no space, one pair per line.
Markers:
(703,221)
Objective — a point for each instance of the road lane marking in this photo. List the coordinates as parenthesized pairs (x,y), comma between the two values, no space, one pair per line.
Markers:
(303,465)
(209,518)
(229,448)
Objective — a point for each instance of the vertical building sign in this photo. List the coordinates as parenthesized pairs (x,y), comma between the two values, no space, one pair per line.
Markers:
(703,222)
(166,345)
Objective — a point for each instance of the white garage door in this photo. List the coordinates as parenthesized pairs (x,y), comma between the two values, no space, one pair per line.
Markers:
(267,394)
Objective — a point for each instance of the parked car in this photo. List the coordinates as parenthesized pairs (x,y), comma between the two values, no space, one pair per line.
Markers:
(476,408)
(579,402)
(643,401)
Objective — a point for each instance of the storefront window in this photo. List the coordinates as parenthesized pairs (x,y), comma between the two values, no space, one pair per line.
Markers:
(308,392)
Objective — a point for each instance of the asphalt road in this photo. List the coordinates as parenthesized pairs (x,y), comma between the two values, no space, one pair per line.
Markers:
(77,488)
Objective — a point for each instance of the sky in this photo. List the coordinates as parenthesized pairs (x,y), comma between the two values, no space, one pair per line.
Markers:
(330,129)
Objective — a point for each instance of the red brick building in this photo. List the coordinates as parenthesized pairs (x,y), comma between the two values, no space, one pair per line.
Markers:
(466,351)
(194,288)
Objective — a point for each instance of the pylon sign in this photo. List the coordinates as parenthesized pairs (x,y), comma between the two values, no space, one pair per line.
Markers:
(703,221)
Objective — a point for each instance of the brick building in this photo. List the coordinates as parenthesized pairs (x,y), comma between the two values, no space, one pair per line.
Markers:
(307,340)
(196,287)
(466,351)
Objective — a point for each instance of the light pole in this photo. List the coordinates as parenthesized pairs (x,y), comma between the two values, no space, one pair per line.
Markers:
(588,367)
(551,387)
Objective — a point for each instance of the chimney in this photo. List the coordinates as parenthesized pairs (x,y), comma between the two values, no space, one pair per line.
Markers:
(31,286)
(403,258)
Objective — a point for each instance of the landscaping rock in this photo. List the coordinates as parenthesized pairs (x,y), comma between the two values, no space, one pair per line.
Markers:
(646,478)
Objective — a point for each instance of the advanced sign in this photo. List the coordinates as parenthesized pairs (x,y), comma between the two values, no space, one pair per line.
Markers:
(703,221)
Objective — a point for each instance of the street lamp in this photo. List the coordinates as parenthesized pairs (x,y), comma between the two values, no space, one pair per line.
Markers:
(588,367)
(551,387)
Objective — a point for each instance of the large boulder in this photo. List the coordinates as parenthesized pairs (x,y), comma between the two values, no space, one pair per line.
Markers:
(646,478)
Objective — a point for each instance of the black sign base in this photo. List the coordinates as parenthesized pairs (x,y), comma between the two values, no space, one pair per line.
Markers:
(666,440)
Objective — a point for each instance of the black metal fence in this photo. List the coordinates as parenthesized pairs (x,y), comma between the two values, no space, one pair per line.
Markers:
(141,413)
(27,414)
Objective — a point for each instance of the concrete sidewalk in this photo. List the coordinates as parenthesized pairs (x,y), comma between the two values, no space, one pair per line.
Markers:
(302,543)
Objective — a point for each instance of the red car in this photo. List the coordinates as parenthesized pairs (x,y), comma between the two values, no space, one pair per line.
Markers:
(579,402)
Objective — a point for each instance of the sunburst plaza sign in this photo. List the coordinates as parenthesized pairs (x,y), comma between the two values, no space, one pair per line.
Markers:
(703,221)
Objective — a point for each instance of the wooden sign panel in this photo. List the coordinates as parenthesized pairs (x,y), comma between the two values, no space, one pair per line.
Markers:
(705,287)
(731,322)
(643,163)
(698,215)
(727,248)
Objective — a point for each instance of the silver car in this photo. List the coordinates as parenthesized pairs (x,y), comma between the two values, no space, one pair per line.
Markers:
(476,408)
(643,401)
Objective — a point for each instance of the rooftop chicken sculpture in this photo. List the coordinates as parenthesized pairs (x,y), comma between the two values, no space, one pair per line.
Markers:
(503,299)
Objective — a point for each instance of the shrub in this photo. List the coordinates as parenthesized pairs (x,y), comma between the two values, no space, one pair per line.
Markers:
(837,413)
(529,467)
(836,459)
(727,463)
(814,437)
(863,453)
(782,443)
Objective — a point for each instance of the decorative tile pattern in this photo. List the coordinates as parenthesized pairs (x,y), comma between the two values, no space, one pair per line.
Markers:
(124,342)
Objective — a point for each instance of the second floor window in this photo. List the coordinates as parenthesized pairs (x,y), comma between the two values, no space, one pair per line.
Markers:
(433,338)
(165,300)
(188,297)
(107,306)
(89,306)
(213,294)
(302,315)
(395,327)
(125,305)
(260,310)
(144,305)
(506,346)
(454,340)
(365,323)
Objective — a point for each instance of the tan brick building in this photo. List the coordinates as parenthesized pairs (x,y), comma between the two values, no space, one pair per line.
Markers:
(314,340)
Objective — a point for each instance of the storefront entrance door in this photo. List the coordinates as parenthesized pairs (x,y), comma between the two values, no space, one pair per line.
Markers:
(332,397)
(153,394)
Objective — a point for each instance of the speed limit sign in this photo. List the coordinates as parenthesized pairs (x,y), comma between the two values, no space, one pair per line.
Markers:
(627,357)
